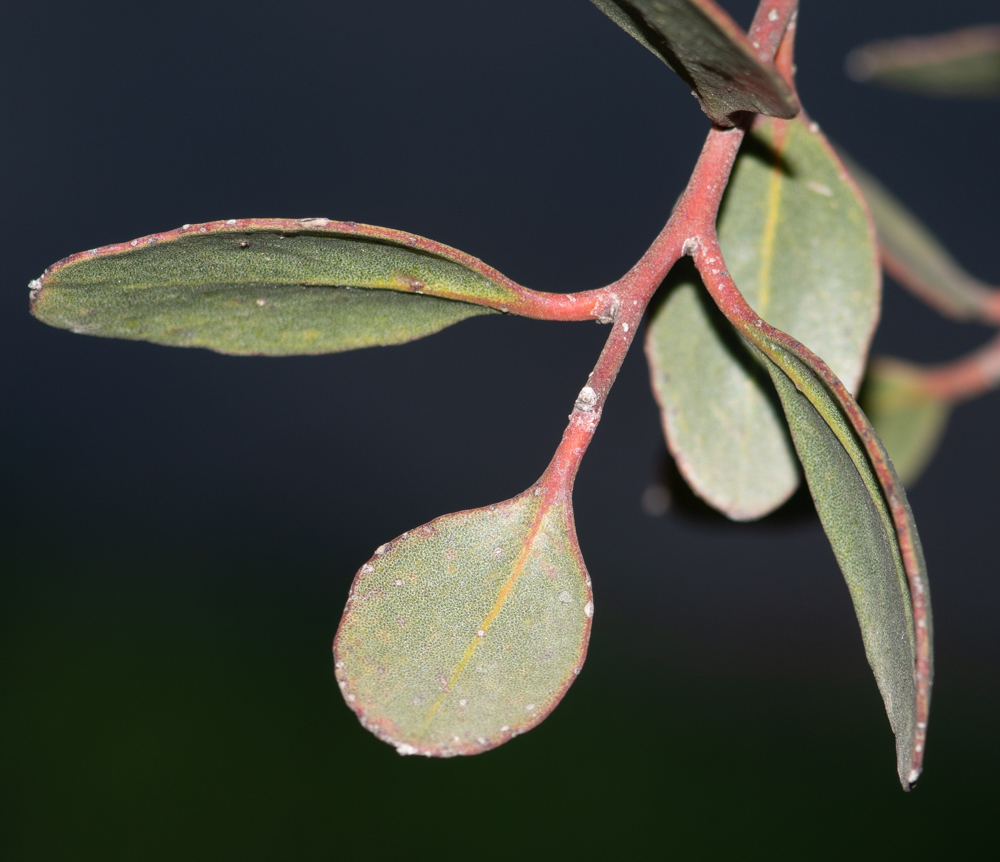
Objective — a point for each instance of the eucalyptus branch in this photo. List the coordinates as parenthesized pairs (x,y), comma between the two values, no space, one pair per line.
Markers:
(466,631)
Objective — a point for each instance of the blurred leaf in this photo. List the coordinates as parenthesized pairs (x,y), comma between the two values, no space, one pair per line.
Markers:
(465,632)
(908,418)
(797,240)
(702,44)
(913,256)
(963,62)
(270,287)
(868,521)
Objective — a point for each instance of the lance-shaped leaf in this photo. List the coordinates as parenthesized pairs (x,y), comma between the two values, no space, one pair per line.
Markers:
(870,526)
(864,512)
(799,244)
(913,256)
(963,62)
(466,632)
(908,417)
(702,44)
(272,287)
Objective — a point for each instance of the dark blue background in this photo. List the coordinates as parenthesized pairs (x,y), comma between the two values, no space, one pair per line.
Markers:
(179,528)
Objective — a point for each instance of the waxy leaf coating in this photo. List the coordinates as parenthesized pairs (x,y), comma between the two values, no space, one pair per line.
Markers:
(909,419)
(963,62)
(798,243)
(702,44)
(270,287)
(913,255)
(465,632)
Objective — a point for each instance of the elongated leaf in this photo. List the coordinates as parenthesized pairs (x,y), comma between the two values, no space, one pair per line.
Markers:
(909,419)
(867,519)
(702,44)
(798,242)
(272,287)
(913,256)
(465,632)
(963,62)
(252,319)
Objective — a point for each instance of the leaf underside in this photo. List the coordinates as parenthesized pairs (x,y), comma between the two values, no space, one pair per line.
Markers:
(909,420)
(269,288)
(466,632)
(911,253)
(962,63)
(798,243)
(709,51)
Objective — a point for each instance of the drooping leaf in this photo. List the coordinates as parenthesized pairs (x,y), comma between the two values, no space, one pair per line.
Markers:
(466,632)
(963,62)
(702,44)
(912,255)
(798,242)
(909,419)
(271,287)
(868,521)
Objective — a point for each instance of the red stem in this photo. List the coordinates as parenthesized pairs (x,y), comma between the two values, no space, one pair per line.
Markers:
(983,299)
(770,22)
(691,225)
(966,377)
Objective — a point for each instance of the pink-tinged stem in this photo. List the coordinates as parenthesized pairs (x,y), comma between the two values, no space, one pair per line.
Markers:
(767,30)
(985,308)
(967,377)
(691,226)
(693,218)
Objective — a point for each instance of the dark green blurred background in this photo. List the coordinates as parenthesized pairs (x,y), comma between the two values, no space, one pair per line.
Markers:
(179,528)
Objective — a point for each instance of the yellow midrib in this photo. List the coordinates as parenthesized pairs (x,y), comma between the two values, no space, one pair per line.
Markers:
(767,240)
(484,626)
(766,260)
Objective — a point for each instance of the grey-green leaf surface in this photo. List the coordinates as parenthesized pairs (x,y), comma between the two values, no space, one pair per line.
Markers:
(722,422)
(709,51)
(798,242)
(466,632)
(868,521)
(962,63)
(908,418)
(270,287)
(914,256)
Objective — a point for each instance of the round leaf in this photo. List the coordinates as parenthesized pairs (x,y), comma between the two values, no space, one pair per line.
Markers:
(465,632)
